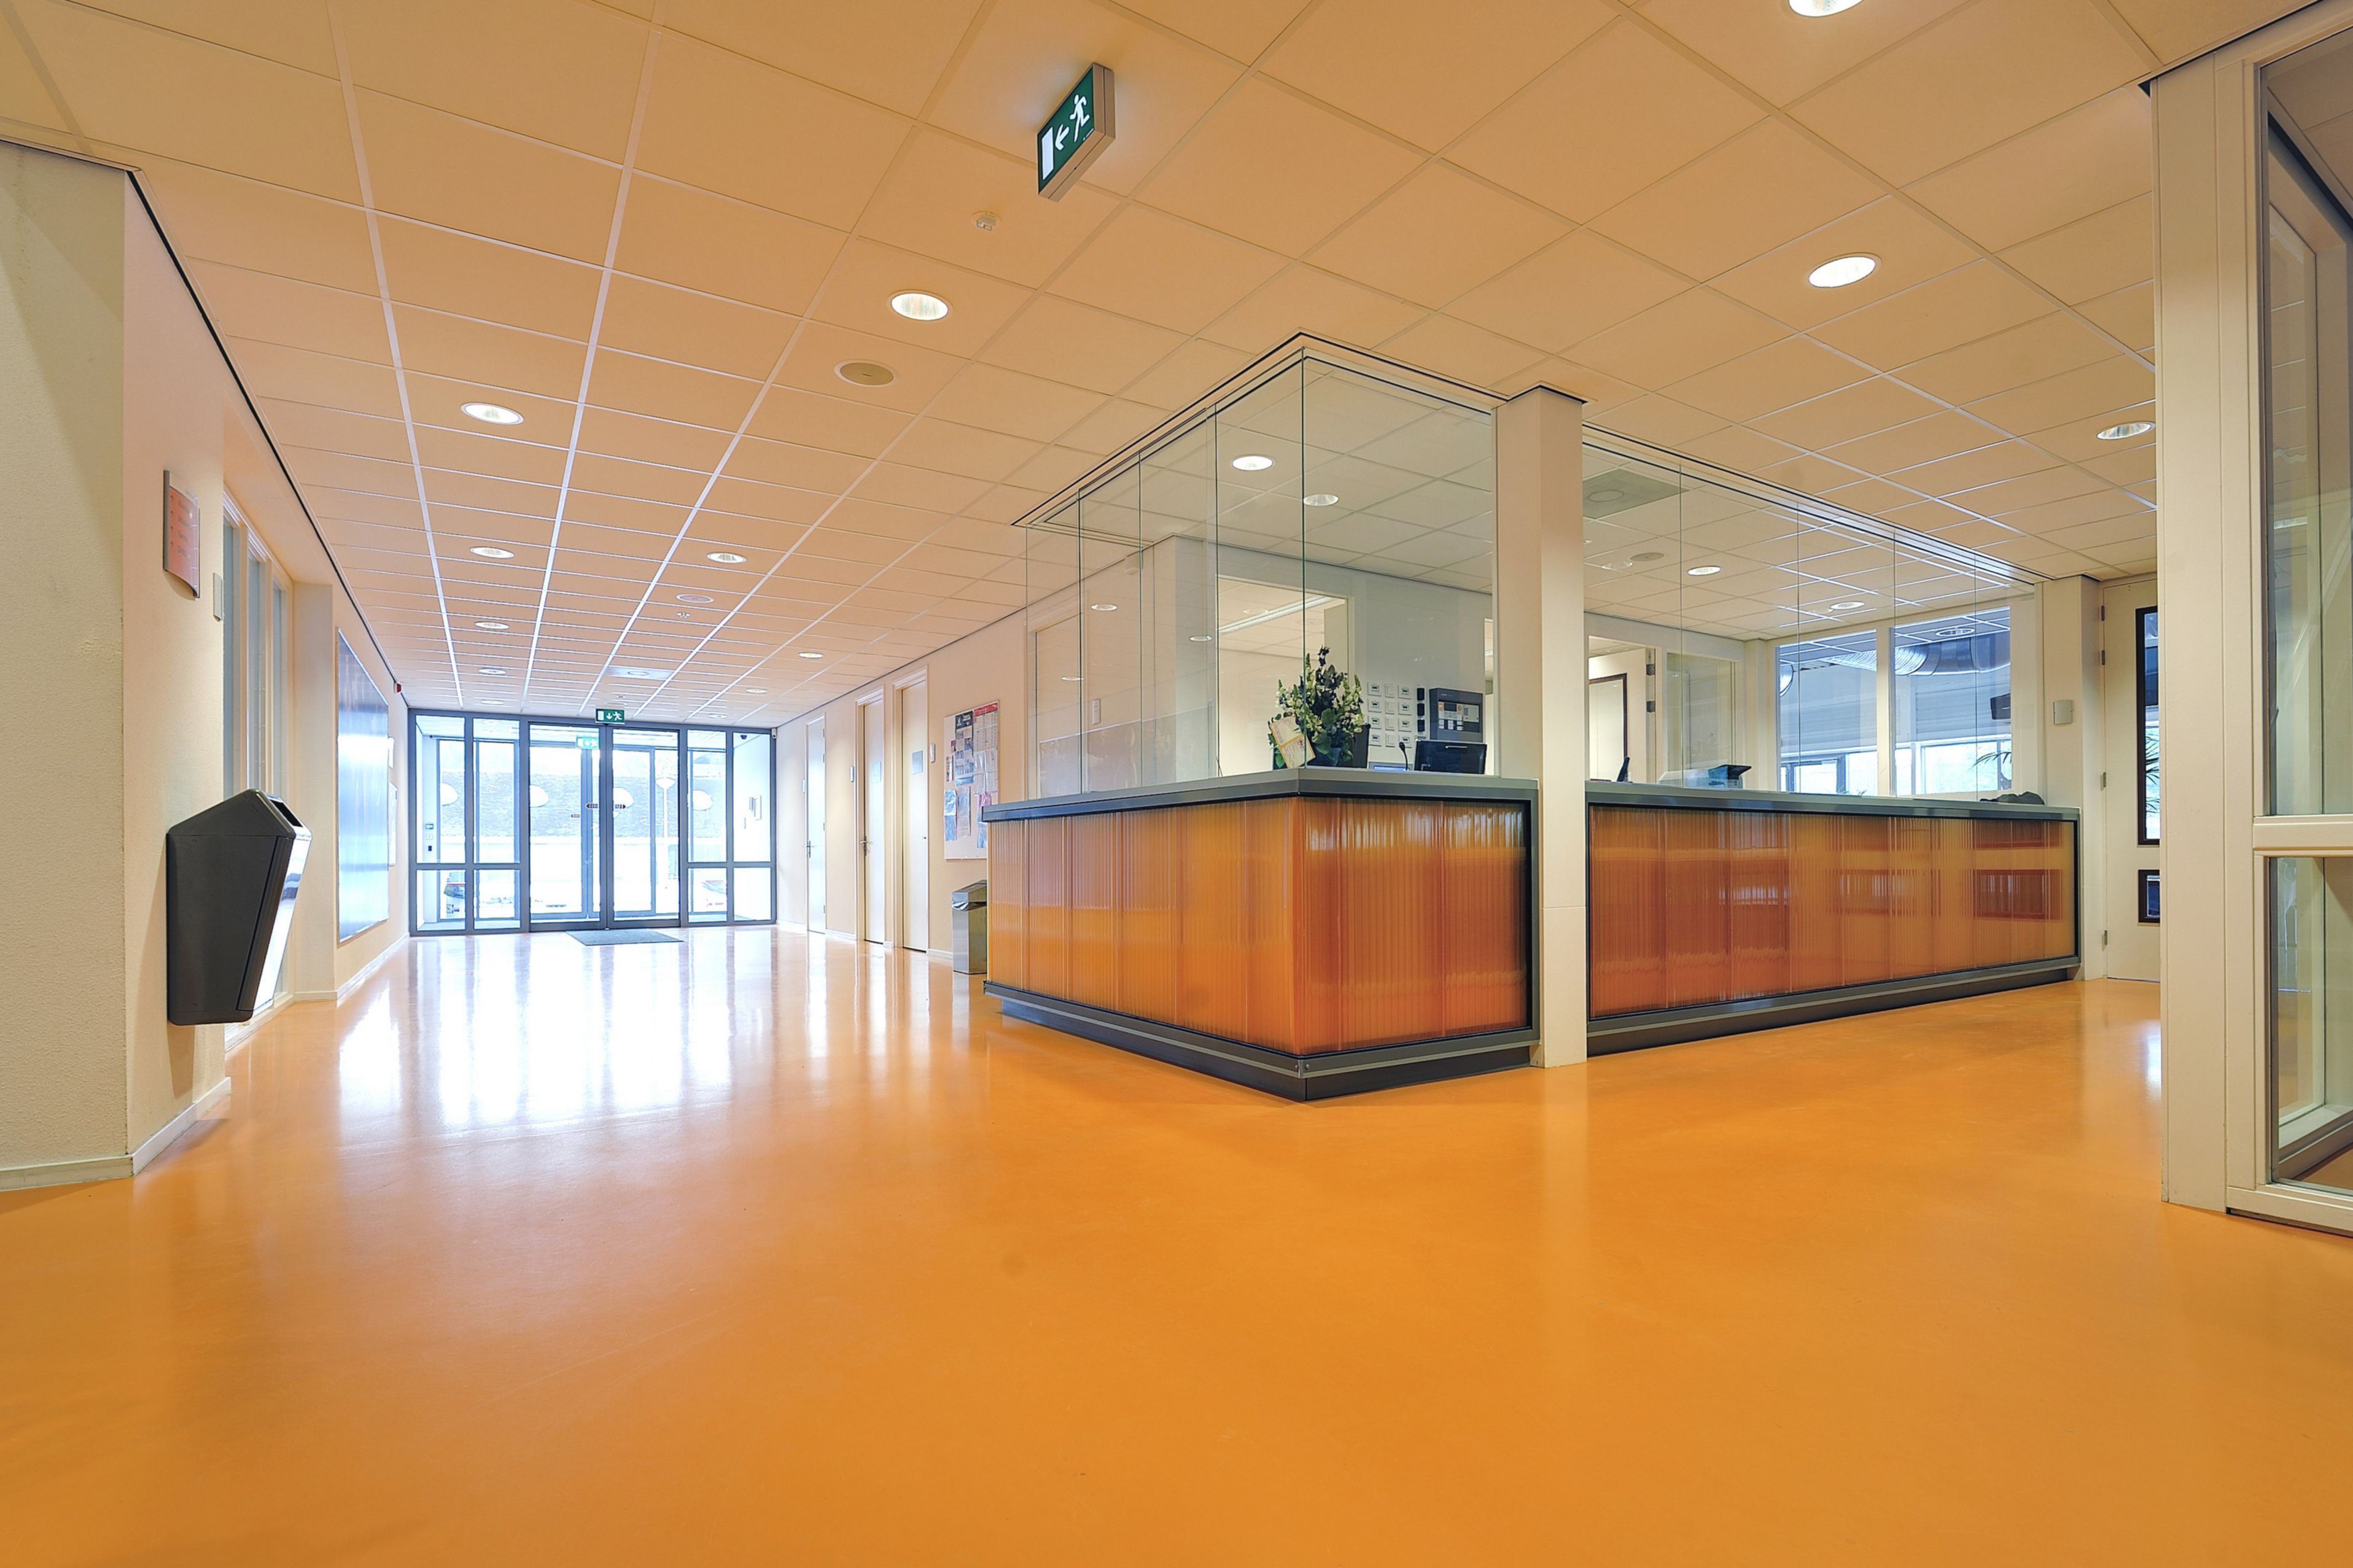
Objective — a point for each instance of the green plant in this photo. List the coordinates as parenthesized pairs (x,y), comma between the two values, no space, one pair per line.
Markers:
(1327,705)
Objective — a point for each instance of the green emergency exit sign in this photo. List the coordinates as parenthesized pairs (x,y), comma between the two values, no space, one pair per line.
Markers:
(1077,134)
(610,716)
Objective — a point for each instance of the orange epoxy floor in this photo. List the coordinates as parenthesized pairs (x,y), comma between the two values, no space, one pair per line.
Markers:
(760,1249)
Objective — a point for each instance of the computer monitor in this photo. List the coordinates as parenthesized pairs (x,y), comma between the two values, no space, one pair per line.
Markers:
(1449,756)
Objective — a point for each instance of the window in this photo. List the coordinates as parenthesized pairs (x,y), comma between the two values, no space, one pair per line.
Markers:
(1830,714)
(2144,686)
(2147,900)
(1951,704)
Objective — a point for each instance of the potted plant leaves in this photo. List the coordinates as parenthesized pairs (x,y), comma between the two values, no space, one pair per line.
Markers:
(1327,706)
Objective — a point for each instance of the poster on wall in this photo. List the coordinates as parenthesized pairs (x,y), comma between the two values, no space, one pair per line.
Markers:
(970,784)
(362,797)
(184,535)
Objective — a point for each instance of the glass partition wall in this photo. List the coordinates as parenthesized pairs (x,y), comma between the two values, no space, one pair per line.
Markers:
(1739,635)
(1319,513)
(535,824)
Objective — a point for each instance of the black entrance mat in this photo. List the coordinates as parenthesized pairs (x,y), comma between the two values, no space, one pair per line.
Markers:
(617,938)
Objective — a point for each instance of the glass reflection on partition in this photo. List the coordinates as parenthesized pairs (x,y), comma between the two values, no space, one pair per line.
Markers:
(1321,513)
(2312,1020)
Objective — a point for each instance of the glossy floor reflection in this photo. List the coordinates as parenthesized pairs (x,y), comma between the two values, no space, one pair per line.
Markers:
(761,1250)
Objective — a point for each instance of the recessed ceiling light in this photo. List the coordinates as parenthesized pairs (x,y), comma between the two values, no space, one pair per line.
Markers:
(1324,497)
(811,653)
(725,558)
(2127,430)
(1703,570)
(1070,678)
(1823,7)
(755,691)
(1102,606)
(919,306)
(1607,495)
(1845,270)
(486,669)
(637,672)
(696,599)
(491,413)
(492,553)
(865,373)
(493,626)
(1646,556)
(1251,462)
(1848,604)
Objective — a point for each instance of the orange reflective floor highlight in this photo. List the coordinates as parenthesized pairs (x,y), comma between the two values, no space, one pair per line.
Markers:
(766,1249)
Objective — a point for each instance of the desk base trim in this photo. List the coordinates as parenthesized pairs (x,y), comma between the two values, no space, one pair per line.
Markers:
(1673,1027)
(1320,1077)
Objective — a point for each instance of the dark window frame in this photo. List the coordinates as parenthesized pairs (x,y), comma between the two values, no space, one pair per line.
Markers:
(2146,694)
(2144,884)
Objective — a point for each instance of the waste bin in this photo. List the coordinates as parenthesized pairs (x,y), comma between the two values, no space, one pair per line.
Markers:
(230,874)
(968,915)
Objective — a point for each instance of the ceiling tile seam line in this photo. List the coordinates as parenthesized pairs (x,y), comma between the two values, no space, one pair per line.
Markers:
(392,334)
(1824,145)
(898,157)
(41,73)
(2152,62)
(588,359)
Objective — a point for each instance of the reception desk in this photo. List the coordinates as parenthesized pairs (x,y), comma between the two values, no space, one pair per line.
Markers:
(1312,933)
(1717,911)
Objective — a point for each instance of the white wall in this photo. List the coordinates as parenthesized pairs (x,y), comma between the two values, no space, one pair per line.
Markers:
(983,666)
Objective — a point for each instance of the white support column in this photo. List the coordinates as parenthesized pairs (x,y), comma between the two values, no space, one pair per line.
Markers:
(2073,739)
(1540,673)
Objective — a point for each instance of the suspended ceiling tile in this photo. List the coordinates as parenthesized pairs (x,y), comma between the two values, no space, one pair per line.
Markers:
(1303,298)
(2088,395)
(1960,306)
(1765,187)
(333,430)
(461,528)
(1029,53)
(1570,292)
(1782,55)
(1238,29)
(438,400)
(733,126)
(889,52)
(1458,349)
(1862,409)
(462,452)
(656,482)
(869,276)
(143,88)
(1429,72)
(1486,232)
(2083,161)
(447,488)
(270,309)
(459,348)
(1330,170)
(1682,337)
(2135,468)
(241,222)
(1946,477)
(1944,434)
(2004,496)
(299,376)
(947,448)
(929,204)
(2177,29)
(2100,254)
(2018,357)
(699,239)
(1772,377)
(596,540)
(1909,246)
(1111,427)
(648,440)
(691,328)
(1621,111)
(359,506)
(1661,421)
(2101,505)
(1983,73)
(548,70)
(2130,315)
(639,385)
(902,486)
(802,468)
(457,174)
(814,419)
(1184,376)
(1149,266)
(466,275)
(751,500)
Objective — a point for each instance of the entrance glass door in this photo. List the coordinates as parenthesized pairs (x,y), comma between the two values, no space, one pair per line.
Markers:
(566,789)
(643,824)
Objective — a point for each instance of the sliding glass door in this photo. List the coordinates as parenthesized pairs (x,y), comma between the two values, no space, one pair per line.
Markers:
(539,825)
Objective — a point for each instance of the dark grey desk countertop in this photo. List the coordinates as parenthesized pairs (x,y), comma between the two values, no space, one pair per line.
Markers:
(1684,797)
(1361,784)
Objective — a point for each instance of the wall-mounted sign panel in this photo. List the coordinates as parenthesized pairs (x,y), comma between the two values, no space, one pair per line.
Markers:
(184,535)
(1077,133)
(611,716)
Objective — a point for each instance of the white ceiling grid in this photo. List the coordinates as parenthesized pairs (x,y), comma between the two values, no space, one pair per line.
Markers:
(655,226)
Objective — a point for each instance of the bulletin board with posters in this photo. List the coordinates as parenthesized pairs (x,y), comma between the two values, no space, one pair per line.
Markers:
(969,786)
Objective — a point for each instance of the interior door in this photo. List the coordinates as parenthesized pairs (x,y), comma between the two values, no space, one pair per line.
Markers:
(562,805)
(2129,702)
(644,826)
(915,813)
(815,787)
(872,819)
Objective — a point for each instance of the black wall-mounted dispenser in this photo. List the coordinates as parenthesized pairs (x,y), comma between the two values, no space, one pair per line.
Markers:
(230,874)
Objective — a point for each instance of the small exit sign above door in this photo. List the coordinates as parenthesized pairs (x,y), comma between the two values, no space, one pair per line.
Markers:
(1077,133)
(610,716)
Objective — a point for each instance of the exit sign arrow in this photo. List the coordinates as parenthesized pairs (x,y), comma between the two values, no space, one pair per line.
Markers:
(1076,134)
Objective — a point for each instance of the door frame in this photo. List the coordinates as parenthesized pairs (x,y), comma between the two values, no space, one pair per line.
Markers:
(816,821)
(914,820)
(873,740)
(2135,949)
